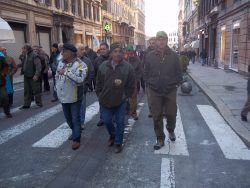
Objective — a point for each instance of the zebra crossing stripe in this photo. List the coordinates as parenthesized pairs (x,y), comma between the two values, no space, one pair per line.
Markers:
(60,135)
(167,173)
(179,147)
(230,144)
(18,129)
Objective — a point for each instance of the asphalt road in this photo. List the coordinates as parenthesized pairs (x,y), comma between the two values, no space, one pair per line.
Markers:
(35,151)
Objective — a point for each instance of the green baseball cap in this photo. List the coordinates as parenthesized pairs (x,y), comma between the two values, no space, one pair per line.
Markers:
(129,47)
(161,34)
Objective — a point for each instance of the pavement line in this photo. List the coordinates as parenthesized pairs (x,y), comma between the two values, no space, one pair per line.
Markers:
(231,145)
(14,110)
(179,147)
(167,173)
(18,129)
(60,135)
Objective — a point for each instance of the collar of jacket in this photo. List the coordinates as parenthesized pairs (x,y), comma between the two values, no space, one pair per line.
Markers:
(166,50)
(110,64)
(70,63)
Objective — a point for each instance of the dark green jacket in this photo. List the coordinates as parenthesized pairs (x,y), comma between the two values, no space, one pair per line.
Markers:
(32,65)
(162,71)
(113,86)
(137,65)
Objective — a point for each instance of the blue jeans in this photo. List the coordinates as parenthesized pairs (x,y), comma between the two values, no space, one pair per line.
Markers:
(72,114)
(83,109)
(115,132)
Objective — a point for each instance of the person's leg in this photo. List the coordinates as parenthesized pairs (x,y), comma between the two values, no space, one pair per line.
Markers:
(27,91)
(133,104)
(54,87)
(75,116)
(157,113)
(246,108)
(10,95)
(46,82)
(149,102)
(67,114)
(119,118)
(107,114)
(36,88)
(171,110)
(83,110)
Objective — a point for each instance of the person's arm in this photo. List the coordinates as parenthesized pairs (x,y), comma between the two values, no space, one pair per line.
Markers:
(13,67)
(99,83)
(130,85)
(77,75)
(38,68)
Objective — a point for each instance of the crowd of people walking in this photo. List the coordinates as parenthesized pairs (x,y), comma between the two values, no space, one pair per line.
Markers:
(116,74)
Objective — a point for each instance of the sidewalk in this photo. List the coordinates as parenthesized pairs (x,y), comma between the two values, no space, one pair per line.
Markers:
(227,91)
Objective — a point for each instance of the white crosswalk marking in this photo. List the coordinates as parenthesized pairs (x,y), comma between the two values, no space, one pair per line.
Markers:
(29,123)
(167,173)
(230,144)
(60,135)
(179,147)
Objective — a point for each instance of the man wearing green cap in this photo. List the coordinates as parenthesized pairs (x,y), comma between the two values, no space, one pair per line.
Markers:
(163,75)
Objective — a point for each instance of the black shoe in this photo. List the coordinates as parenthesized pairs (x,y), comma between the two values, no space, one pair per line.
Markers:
(159,145)
(8,115)
(54,100)
(24,107)
(172,136)
(244,118)
(150,115)
(118,148)
(70,137)
(111,141)
(100,123)
(39,105)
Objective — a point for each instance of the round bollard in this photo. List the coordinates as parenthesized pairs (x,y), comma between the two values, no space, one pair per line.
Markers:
(186,87)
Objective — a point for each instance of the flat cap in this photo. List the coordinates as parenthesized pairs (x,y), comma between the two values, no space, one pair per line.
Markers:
(114,46)
(161,34)
(69,46)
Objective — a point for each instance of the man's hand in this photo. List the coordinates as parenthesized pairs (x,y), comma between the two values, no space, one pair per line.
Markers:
(35,78)
(60,71)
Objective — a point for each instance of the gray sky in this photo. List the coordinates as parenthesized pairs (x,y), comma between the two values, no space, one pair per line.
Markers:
(161,15)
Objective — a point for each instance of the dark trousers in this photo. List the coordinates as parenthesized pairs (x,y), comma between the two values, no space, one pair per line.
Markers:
(4,101)
(32,88)
(246,107)
(46,86)
(71,113)
(115,132)
(54,85)
(163,104)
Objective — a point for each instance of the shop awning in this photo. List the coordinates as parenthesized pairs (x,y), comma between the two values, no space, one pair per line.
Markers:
(195,44)
(6,33)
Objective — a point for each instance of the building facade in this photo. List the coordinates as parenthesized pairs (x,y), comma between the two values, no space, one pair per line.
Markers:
(43,22)
(223,31)
(173,39)
(119,15)
(139,38)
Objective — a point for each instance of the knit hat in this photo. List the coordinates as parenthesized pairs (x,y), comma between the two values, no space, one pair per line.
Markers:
(161,34)
(114,46)
(55,45)
(69,46)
